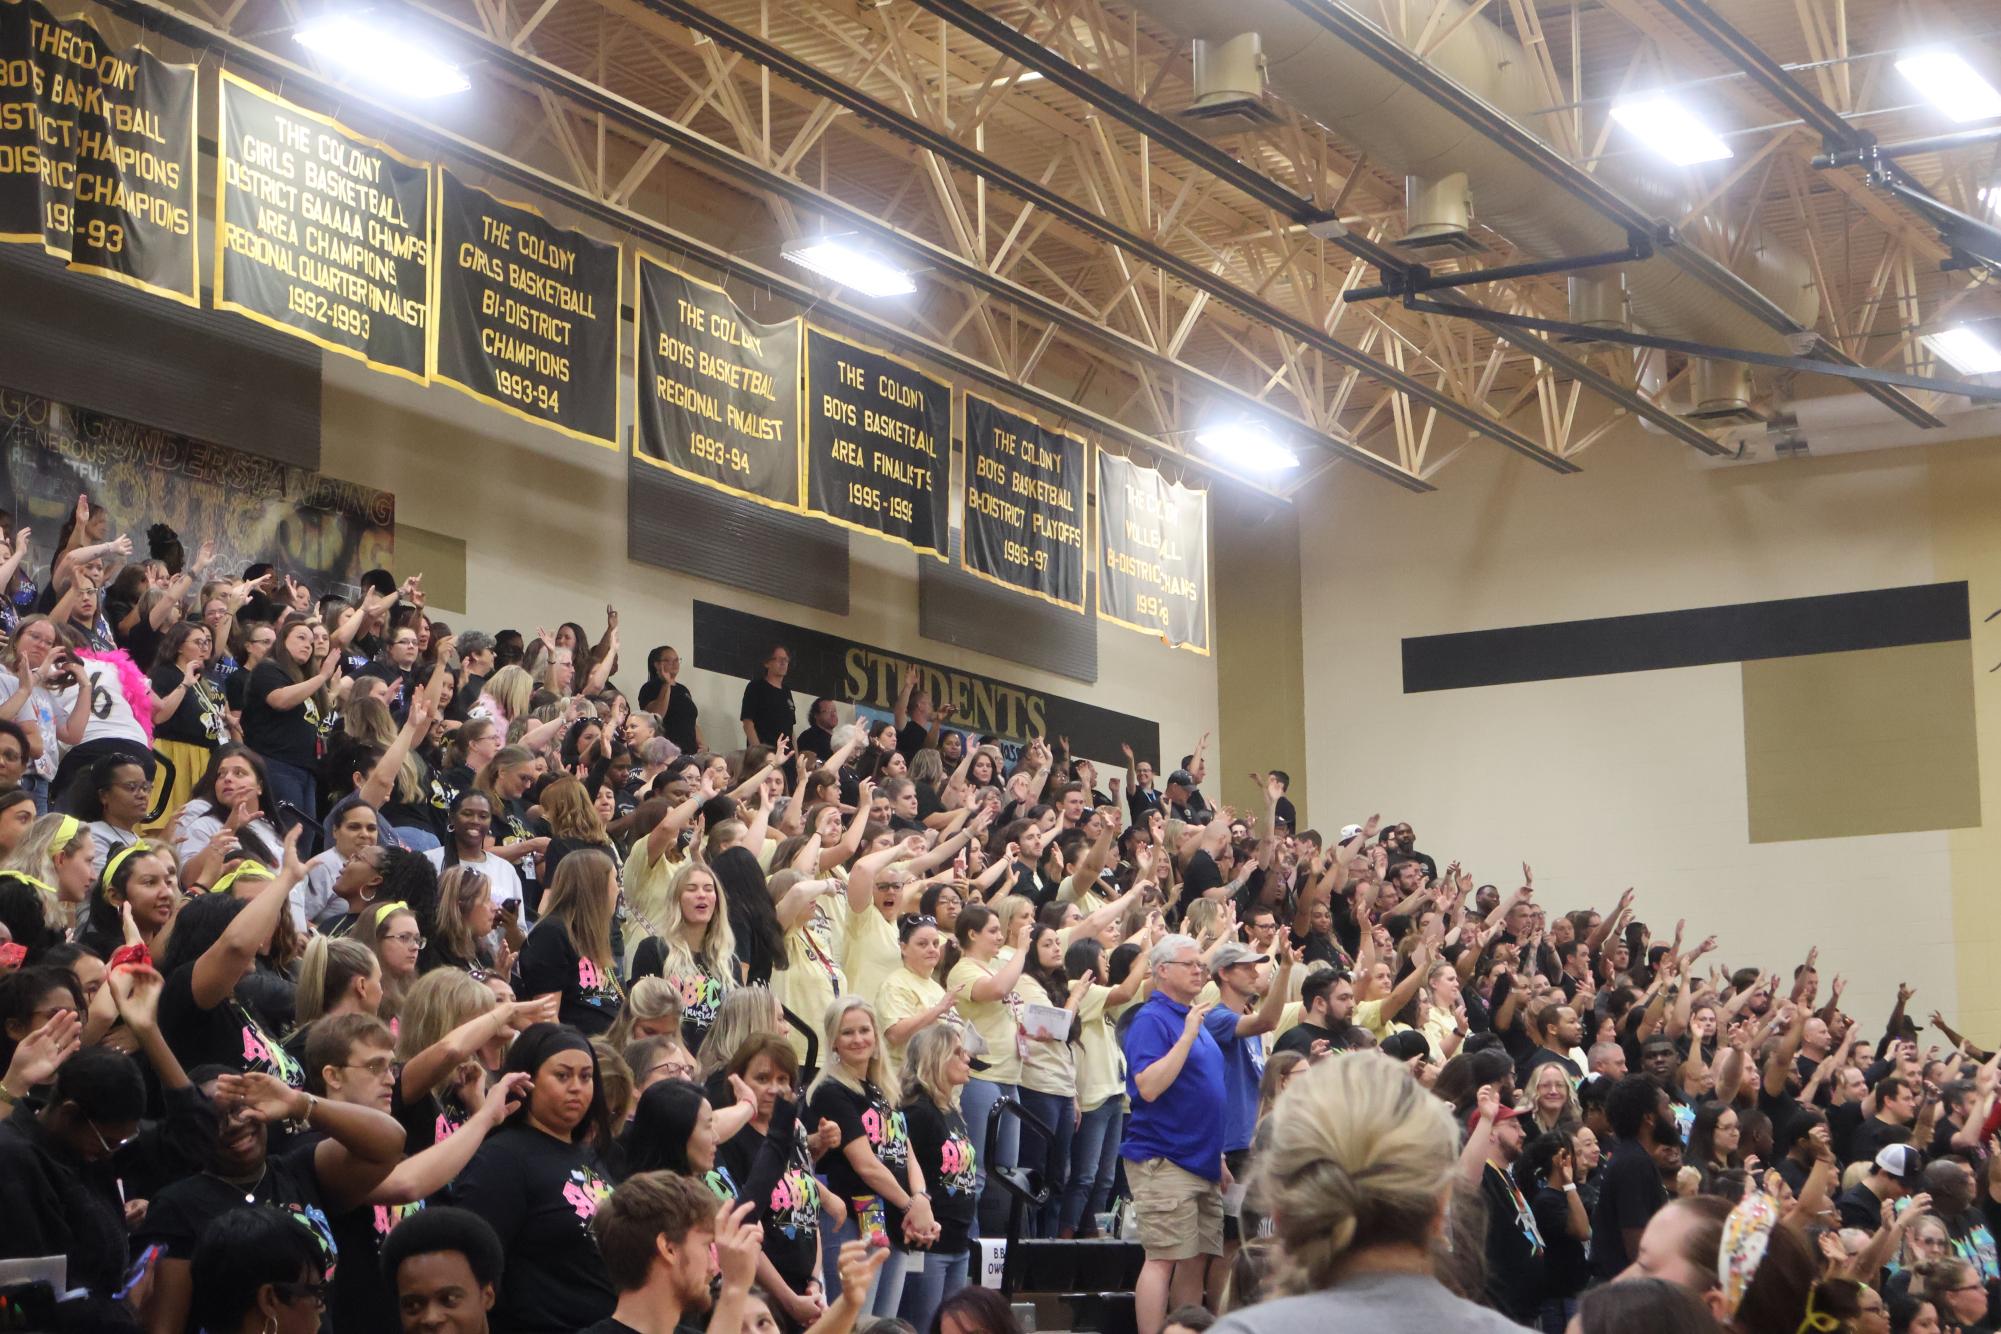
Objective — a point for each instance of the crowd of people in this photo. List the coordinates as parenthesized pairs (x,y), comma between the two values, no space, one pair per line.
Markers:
(360,973)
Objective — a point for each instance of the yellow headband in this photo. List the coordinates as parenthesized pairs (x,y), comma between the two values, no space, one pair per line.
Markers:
(248,867)
(66,832)
(383,910)
(118,859)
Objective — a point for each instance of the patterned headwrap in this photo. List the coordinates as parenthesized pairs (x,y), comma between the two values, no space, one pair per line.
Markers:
(1747,1232)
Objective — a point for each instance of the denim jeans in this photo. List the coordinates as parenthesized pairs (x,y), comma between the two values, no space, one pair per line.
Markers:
(290,783)
(1094,1160)
(416,840)
(976,1104)
(1052,1156)
(36,786)
(930,1279)
(885,1293)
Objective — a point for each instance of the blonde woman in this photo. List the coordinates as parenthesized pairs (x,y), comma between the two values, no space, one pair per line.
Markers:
(573,823)
(1357,1178)
(451,1038)
(462,924)
(1549,1099)
(506,696)
(652,1010)
(391,931)
(693,948)
(871,1171)
(936,1065)
(569,951)
(58,858)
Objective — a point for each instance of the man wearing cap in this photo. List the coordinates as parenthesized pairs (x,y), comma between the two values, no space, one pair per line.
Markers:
(1183,801)
(1515,1247)
(1896,1172)
(1173,1145)
(1239,1034)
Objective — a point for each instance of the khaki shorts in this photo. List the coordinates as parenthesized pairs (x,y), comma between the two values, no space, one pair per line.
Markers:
(1180,1215)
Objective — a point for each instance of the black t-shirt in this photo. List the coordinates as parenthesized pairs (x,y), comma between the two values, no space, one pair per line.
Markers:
(362,1300)
(1871,1137)
(549,962)
(399,686)
(1631,1195)
(1515,1250)
(1566,1268)
(57,1204)
(911,738)
(177,1217)
(865,1115)
(790,1213)
(677,720)
(943,1148)
(817,741)
(769,710)
(228,1035)
(198,720)
(428,811)
(1202,874)
(289,735)
(701,991)
(540,1194)
(1860,1207)
(1302,1035)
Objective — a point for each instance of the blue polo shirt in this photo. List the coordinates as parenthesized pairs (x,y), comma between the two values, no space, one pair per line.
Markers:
(1185,1123)
(1243,1071)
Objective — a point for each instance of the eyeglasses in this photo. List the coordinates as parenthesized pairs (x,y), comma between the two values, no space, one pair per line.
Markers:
(1182,963)
(672,1070)
(378,1067)
(316,1293)
(135,785)
(407,938)
(109,1146)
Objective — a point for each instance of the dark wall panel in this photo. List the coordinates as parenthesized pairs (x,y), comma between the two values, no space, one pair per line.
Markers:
(953,607)
(1741,632)
(209,376)
(681,525)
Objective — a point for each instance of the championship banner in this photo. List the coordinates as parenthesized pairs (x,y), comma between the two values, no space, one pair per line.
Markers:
(526,313)
(1153,554)
(323,532)
(97,152)
(1024,524)
(320,232)
(878,444)
(718,393)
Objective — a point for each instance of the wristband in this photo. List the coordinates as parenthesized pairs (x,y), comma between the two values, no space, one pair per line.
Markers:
(1570,1189)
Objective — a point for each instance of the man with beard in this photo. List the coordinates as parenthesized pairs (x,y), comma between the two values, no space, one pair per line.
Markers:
(1515,1246)
(1403,847)
(1327,1005)
(662,1238)
(1636,1110)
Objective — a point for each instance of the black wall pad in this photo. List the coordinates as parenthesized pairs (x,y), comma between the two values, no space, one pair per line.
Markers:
(204,374)
(681,525)
(1786,628)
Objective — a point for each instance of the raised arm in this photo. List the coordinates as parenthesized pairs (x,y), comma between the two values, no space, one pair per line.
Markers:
(1265,1018)
(380,785)
(998,984)
(217,970)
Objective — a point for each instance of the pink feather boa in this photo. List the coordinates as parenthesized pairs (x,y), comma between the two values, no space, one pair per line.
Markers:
(132,682)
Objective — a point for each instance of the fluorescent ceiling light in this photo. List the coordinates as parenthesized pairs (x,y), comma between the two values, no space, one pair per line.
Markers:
(1030,76)
(380,53)
(1247,446)
(1670,129)
(1969,351)
(1951,85)
(850,266)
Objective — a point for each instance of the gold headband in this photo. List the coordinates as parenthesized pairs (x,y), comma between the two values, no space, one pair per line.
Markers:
(118,859)
(383,910)
(248,867)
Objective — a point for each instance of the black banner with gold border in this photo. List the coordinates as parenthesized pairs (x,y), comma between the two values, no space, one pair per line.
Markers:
(1153,554)
(1025,519)
(718,395)
(97,153)
(320,232)
(878,444)
(526,313)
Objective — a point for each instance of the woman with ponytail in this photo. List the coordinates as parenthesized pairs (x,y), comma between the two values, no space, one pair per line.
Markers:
(335,977)
(1357,1178)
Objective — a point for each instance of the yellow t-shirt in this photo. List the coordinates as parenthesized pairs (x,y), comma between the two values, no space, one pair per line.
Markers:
(1369,1015)
(1100,1063)
(1048,1066)
(810,983)
(903,994)
(646,885)
(869,952)
(998,1022)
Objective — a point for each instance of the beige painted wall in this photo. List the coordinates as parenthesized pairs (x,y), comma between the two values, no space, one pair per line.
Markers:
(1640,780)
(543,519)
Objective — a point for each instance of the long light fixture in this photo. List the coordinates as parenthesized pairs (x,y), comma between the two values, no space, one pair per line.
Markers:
(850,265)
(1967,349)
(1951,85)
(382,54)
(1246,445)
(1670,129)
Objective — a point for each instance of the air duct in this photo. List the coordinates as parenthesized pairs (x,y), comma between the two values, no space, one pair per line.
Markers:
(1404,130)
(1721,391)
(1836,424)
(1599,300)
(1438,215)
(1230,86)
